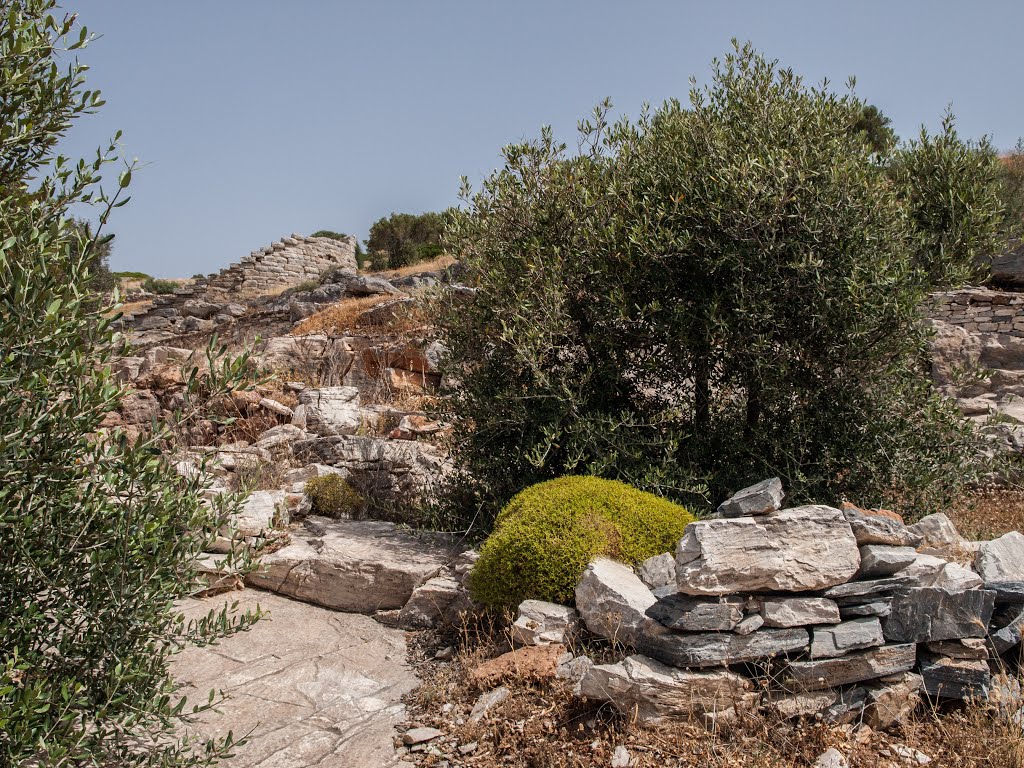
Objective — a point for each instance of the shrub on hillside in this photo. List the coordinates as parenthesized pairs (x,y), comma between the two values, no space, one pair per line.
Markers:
(402,239)
(332,496)
(709,295)
(158,286)
(544,538)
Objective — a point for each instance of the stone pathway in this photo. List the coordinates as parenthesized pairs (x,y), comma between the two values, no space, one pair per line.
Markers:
(319,688)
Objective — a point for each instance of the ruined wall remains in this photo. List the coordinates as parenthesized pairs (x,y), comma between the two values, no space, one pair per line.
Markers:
(980,310)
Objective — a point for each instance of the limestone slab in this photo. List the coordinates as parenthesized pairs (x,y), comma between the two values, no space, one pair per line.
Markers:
(1002,559)
(929,613)
(822,674)
(799,611)
(686,613)
(759,499)
(852,635)
(613,602)
(708,649)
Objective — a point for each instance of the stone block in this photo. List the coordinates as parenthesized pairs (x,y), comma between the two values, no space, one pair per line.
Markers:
(928,613)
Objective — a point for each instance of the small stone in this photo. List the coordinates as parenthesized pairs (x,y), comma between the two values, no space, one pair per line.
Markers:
(621,758)
(853,635)
(486,701)
(879,608)
(870,588)
(969,648)
(880,560)
(542,623)
(909,753)
(691,614)
(658,571)
(420,736)
(831,758)
(468,749)
(751,623)
(799,611)
(760,499)
(1008,632)
(955,678)
(445,654)
(1002,559)
(872,529)
(928,613)
(893,702)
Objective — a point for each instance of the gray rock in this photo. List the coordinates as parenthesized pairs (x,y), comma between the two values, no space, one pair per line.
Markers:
(870,589)
(1007,592)
(799,611)
(955,678)
(801,549)
(760,499)
(880,560)
(613,602)
(542,623)
(955,578)
(201,309)
(273,406)
(359,566)
(420,736)
(879,608)
(751,623)
(1008,631)
(928,613)
(969,648)
(652,692)
(831,758)
(893,702)
(362,285)
(801,704)
(429,603)
(331,410)
(855,667)
(621,758)
(486,701)
(849,708)
(685,613)
(875,529)
(1002,559)
(718,649)
(938,536)
(924,570)
(853,635)
(658,571)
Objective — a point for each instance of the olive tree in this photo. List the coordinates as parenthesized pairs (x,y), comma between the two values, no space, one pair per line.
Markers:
(100,534)
(696,300)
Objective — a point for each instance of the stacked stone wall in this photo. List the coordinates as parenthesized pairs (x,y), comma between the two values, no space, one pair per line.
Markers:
(980,310)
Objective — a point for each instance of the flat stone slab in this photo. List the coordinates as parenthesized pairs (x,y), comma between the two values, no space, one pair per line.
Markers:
(760,499)
(693,614)
(710,649)
(361,566)
(855,667)
(799,611)
(929,613)
(318,689)
(955,678)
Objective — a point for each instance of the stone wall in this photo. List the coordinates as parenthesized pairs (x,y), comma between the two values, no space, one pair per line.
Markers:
(980,310)
(286,262)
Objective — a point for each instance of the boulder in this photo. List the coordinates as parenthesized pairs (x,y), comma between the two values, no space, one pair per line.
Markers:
(879,560)
(929,613)
(685,613)
(939,536)
(799,611)
(358,566)
(852,635)
(955,578)
(1002,559)
(800,549)
(651,692)
(658,571)
(331,411)
(893,702)
(613,602)
(855,667)
(710,649)
(282,435)
(760,499)
(542,623)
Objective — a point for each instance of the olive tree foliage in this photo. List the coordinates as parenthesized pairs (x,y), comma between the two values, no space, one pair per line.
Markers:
(100,534)
(695,301)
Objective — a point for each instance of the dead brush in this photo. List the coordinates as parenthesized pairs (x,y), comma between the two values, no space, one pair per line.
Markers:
(338,319)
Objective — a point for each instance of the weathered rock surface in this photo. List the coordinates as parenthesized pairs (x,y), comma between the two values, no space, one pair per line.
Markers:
(893,702)
(939,536)
(348,565)
(799,611)
(691,614)
(759,499)
(800,549)
(331,410)
(542,623)
(852,635)
(429,604)
(658,571)
(709,649)
(613,602)
(955,678)
(870,588)
(880,560)
(928,613)
(852,668)
(1007,592)
(971,648)
(324,696)
(1008,631)
(874,529)
(1002,559)
(652,691)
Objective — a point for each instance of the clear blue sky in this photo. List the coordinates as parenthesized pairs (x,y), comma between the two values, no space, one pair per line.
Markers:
(260,118)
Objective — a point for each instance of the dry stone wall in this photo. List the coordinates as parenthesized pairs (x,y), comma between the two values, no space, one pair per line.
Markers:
(981,310)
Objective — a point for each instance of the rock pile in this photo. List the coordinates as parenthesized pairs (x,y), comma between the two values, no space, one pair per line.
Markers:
(845,614)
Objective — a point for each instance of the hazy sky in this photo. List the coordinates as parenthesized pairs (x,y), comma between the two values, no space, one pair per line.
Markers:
(260,118)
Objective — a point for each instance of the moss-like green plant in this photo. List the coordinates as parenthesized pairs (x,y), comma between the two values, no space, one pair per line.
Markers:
(332,496)
(546,535)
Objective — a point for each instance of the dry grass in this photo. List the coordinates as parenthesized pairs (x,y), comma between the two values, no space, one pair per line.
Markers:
(424,266)
(988,514)
(338,318)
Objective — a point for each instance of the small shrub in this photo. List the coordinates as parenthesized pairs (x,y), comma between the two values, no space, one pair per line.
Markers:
(159,287)
(307,285)
(332,496)
(546,535)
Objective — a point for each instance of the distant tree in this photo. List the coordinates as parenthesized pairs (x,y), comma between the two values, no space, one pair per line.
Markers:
(875,128)
(405,238)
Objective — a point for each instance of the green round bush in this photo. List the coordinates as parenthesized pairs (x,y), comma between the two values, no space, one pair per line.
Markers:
(546,535)
(332,496)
